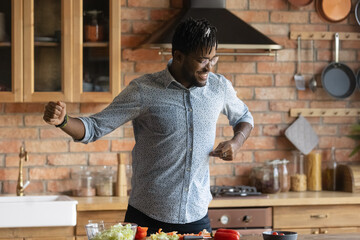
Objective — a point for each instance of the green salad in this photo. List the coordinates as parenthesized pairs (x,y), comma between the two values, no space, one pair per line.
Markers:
(116,232)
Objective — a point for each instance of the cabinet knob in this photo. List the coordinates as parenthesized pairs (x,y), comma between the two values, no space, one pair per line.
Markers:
(317,216)
(323,231)
(224,219)
(315,232)
(246,218)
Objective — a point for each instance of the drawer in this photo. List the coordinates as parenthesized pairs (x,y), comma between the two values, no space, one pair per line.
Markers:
(241,217)
(316,216)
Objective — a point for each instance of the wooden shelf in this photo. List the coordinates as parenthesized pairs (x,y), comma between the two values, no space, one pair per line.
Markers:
(325,35)
(96,44)
(46,44)
(325,112)
(5,44)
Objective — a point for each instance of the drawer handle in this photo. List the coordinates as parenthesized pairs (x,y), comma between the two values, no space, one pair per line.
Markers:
(318,216)
(246,218)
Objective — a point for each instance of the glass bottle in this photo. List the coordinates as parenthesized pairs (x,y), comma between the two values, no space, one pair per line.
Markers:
(270,177)
(284,176)
(298,179)
(330,172)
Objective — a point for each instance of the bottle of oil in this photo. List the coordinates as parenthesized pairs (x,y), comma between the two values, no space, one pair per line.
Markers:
(330,172)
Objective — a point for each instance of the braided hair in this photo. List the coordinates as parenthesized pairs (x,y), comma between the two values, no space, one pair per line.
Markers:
(191,35)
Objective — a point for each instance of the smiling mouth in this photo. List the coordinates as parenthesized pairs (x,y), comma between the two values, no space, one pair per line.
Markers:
(203,76)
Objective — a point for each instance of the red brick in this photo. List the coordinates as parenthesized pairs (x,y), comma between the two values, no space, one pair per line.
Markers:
(275,93)
(289,17)
(257,106)
(24,107)
(141,55)
(128,132)
(64,186)
(149,67)
(46,146)
(243,170)
(49,173)
(285,106)
(253,16)
(263,156)
(11,120)
(218,169)
(262,143)
(257,80)
(33,160)
(274,130)
(343,155)
(125,26)
(282,143)
(236,67)
(134,14)
(18,133)
(67,159)
(11,146)
(340,120)
(327,104)
(103,159)
(339,142)
(129,77)
(90,108)
(127,67)
(117,133)
(284,80)
(97,146)
(243,157)
(33,187)
(244,93)
(122,145)
(52,133)
(232,181)
(145,27)
(35,121)
(237,4)
(267,118)
(325,129)
(130,41)
(271,29)
(268,5)
(149,3)
(308,27)
(163,14)
(275,67)
(308,95)
(222,119)
(9,173)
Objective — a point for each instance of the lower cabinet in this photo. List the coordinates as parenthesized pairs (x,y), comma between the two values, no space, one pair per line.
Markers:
(38,233)
(323,219)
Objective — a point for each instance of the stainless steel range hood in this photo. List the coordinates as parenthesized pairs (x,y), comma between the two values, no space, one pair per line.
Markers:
(232,32)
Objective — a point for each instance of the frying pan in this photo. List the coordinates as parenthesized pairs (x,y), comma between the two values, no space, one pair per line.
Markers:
(300,3)
(333,10)
(358,79)
(357,12)
(337,78)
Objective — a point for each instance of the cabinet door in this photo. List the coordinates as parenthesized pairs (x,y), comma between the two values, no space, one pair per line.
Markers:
(11,51)
(47,50)
(97,51)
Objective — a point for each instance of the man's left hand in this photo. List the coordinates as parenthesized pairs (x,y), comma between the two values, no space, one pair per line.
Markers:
(226,150)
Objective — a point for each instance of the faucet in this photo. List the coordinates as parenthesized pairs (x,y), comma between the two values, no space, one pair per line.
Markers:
(20,184)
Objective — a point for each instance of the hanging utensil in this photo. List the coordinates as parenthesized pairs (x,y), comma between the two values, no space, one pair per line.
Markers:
(357,12)
(334,10)
(313,83)
(337,78)
(299,79)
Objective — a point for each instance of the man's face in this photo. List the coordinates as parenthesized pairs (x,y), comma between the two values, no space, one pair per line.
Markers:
(197,66)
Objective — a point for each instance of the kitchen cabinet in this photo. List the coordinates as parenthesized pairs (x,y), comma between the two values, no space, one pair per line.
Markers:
(38,233)
(325,219)
(49,57)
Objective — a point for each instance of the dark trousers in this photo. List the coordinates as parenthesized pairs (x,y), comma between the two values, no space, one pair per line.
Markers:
(135,216)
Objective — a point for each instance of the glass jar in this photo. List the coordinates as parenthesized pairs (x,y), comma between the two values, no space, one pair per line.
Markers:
(298,179)
(256,178)
(83,182)
(93,28)
(284,176)
(270,182)
(105,182)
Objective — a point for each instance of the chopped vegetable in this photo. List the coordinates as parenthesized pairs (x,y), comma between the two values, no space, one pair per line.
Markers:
(141,232)
(116,232)
(160,235)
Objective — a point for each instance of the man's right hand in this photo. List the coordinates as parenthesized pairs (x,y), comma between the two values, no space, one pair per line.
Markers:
(54,113)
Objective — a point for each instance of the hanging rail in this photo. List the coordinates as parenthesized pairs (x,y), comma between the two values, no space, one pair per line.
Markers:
(324,35)
(325,112)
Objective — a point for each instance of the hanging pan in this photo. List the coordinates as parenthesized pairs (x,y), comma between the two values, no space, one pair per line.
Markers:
(358,79)
(333,10)
(337,78)
(357,12)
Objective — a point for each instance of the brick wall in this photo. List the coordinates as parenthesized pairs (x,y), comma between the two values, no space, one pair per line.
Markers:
(265,84)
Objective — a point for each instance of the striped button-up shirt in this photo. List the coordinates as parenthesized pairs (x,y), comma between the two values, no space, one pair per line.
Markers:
(174,130)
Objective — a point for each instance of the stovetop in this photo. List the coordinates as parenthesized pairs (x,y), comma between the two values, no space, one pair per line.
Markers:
(235,191)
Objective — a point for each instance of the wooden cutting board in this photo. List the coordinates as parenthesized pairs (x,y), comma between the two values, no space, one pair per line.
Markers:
(348,178)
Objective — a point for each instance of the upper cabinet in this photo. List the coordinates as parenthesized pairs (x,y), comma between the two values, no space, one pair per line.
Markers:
(65,50)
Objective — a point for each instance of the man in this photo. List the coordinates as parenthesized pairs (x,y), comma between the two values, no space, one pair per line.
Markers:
(174,114)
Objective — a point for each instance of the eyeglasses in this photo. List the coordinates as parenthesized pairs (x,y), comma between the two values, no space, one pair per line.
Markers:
(205,61)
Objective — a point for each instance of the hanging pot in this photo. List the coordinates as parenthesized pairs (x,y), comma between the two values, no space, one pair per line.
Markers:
(337,78)
(300,3)
(334,10)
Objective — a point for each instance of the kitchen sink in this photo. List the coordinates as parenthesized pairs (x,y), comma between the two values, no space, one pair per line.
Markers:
(37,211)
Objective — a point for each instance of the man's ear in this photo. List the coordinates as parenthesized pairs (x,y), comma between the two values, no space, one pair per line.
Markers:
(178,56)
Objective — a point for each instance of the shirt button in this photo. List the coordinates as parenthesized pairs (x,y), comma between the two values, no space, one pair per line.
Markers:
(191,129)
(188,169)
(186,189)
(190,149)
(190,109)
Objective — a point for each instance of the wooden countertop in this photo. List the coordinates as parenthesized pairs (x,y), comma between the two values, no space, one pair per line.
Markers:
(280,199)
(313,237)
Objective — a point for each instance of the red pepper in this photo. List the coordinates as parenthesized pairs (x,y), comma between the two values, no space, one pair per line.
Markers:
(141,232)
(226,235)
(228,230)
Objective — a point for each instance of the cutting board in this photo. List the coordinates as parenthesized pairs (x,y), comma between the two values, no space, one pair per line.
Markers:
(302,135)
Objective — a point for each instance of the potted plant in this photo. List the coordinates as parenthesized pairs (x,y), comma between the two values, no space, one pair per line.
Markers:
(355,134)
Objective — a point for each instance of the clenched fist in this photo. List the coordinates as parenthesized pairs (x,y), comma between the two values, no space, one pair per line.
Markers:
(54,113)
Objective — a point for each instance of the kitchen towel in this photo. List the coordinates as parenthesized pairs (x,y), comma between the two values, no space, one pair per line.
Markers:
(302,135)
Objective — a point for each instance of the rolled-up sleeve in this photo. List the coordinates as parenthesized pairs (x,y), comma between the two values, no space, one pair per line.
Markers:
(125,107)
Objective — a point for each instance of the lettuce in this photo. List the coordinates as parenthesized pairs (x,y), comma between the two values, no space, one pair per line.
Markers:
(116,232)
